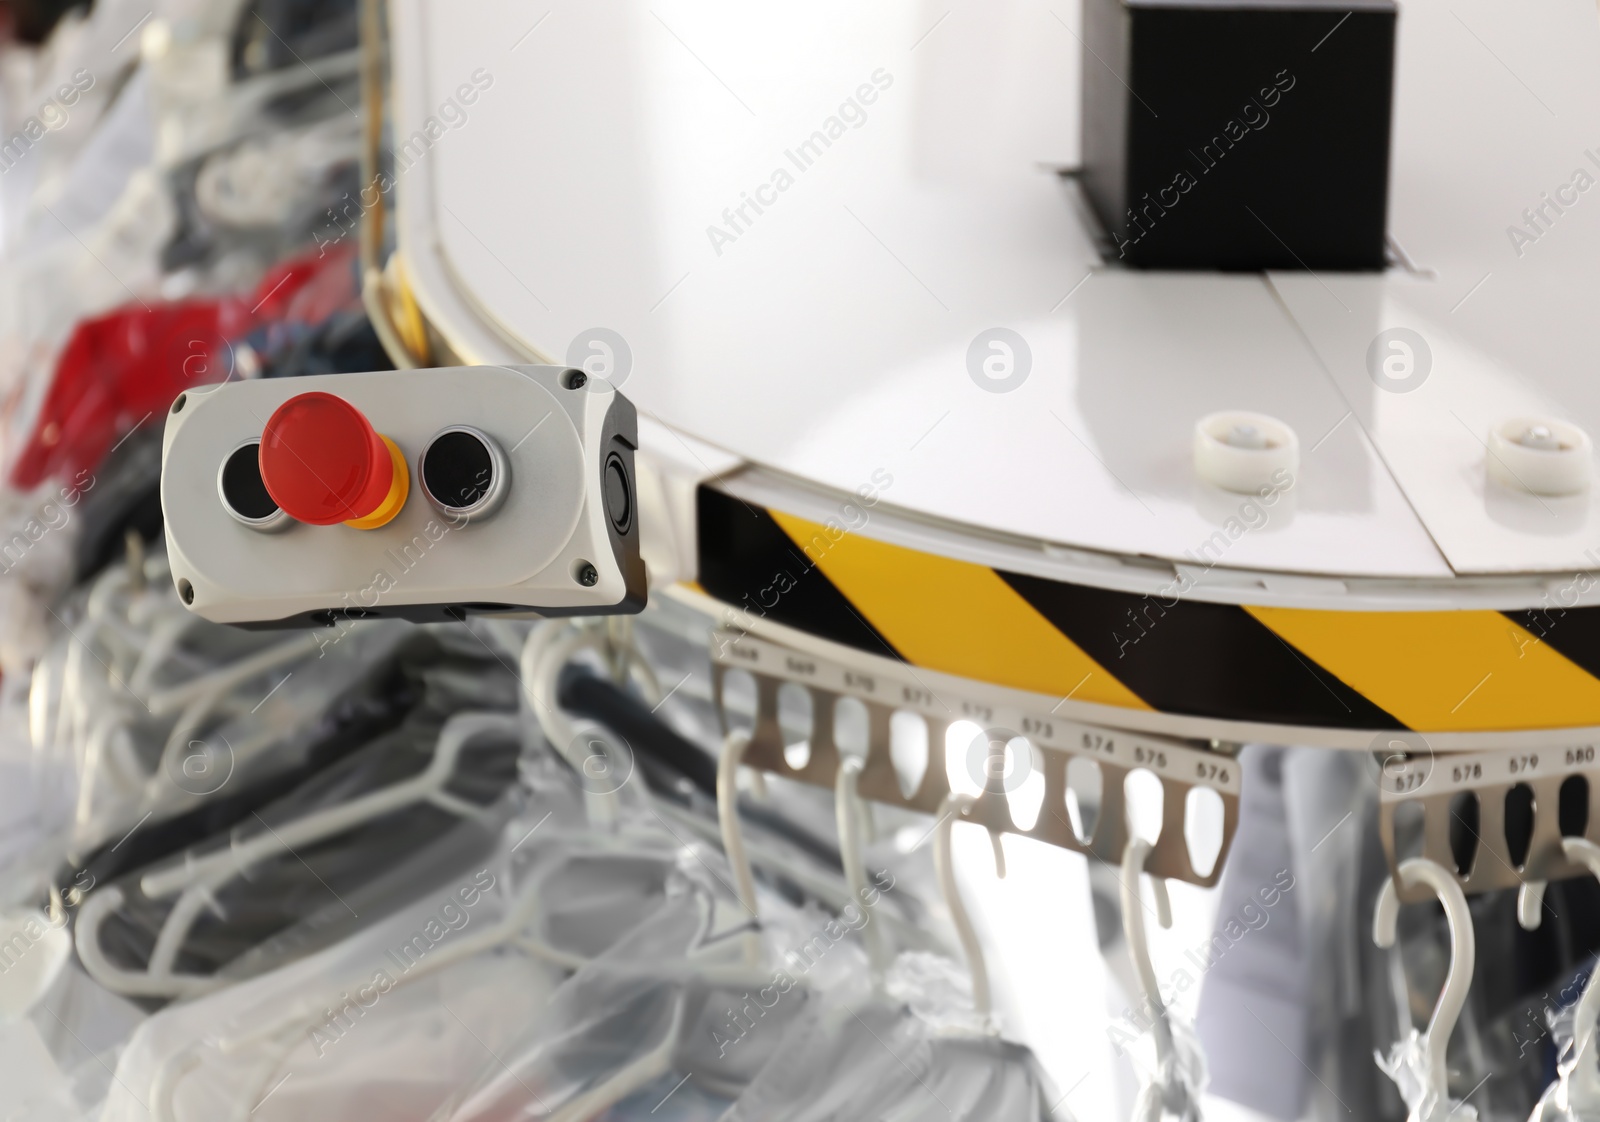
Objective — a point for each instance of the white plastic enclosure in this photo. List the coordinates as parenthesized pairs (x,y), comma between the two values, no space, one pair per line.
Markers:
(560,542)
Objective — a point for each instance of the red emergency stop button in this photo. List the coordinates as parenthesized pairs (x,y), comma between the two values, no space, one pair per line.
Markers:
(324,463)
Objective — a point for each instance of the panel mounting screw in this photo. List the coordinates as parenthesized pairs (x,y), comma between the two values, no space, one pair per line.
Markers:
(588,575)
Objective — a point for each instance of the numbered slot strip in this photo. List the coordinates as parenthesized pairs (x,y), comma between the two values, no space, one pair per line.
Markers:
(1083,806)
(1408,775)
(1496,818)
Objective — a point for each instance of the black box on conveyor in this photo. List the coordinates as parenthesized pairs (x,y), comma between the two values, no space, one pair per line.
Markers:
(1239,134)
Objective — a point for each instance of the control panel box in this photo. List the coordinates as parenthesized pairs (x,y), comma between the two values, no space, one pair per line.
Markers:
(419,494)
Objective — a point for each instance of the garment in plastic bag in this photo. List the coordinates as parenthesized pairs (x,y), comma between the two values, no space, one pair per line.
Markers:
(390,1021)
(59,1031)
(94,248)
(33,20)
(343,1033)
(1408,1064)
(917,1050)
(126,670)
(1255,995)
(342,873)
(274,34)
(126,497)
(1570,1097)
(266,193)
(158,711)
(79,123)
(853,1059)
(36,796)
(624,1029)
(674,1023)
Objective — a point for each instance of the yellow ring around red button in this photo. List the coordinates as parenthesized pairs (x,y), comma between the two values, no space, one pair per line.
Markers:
(395,499)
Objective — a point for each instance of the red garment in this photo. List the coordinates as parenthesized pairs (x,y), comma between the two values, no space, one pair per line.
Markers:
(124,368)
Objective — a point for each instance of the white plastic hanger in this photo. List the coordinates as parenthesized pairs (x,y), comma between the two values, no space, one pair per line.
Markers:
(108,681)
(1417,1062)
(545,653)
(102,650)
(1169,1093)
(236,1040)
(850,813)
(744,881)
(270,1040)
(968,1064)
(206,688)
(871,1056)
(953,807)
(195,881)
(130,628)
(87,703)
(542,660)
(1575,1095)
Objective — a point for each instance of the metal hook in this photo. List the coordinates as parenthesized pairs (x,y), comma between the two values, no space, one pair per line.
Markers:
(1582,1083)
(1413,873)
(955,806)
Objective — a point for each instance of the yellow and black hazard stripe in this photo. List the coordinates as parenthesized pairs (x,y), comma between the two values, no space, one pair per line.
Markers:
(1430,671)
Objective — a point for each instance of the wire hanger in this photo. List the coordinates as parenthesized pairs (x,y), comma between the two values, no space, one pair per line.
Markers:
(1417,1061)
(1575,1095)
